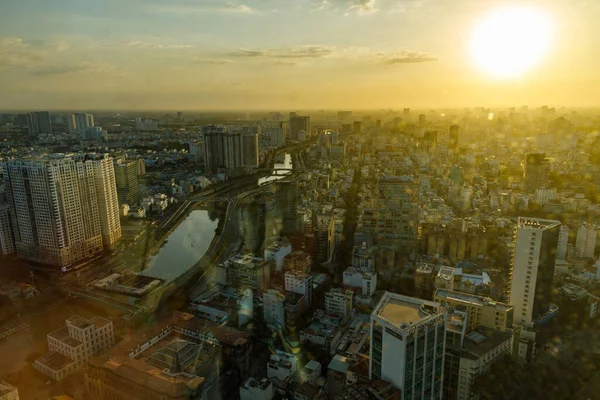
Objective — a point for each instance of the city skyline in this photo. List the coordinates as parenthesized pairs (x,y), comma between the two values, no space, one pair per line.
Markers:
(220,55)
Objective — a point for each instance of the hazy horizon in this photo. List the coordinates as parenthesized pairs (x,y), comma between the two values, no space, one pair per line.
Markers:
(286,54)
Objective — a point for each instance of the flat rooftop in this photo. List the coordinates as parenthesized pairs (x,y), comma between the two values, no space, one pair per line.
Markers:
(55,361)
(63,335)
(399,312)
(79,322)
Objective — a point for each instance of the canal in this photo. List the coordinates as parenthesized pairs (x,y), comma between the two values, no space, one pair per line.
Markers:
(184,247)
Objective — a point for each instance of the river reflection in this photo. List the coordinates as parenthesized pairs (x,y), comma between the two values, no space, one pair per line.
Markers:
(281,170)
(184,247)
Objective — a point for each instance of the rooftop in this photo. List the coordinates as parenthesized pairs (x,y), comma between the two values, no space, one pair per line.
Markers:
(445,294)
(263,384)
(402,310)
(484,340)
(6,388)
(78,322)
(537,223)
(55,361)
(446,273)
(339,364)
(62,335)
(307,390)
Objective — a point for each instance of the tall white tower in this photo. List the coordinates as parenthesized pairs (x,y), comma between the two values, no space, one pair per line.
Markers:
(585,243)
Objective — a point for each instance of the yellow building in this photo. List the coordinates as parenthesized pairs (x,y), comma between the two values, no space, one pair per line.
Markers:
(481,311)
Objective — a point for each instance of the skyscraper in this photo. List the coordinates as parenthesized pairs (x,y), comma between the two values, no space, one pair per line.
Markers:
(62,210)
(297,124)
(422,120)
(563,241)
(408,345)
(533,268)
(585,243)
(537,170)
(286,205)
(39,122)
(357,127)
(214,156)
(83,122)
(127,181)
(453,137)
(398,212)
(250,150)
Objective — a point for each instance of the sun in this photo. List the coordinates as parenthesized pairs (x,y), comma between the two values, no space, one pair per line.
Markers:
(508,42)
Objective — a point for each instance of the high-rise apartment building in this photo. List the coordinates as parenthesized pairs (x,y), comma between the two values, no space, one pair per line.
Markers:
(585,243)
(274,308)
(7,243)
(453,137)
(297,124)
(563,242)
(286,205)
(250,150)
(398,212)
(533,268)
(63,209)
(339,302)
(82,122)
(127,181)
(39,122)
(230,148)
(531,285)
(408,345)
(537,170)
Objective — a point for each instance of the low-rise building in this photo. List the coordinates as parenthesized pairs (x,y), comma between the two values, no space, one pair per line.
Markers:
(72,346)
(277,251)
(324,330)
(8,391)
(306,391)
(339,302)
(254,389)
(298,260)
(481,311)
(299,282)
(311,372)
(235,306)
(282,365)
(244,271)
(365,280)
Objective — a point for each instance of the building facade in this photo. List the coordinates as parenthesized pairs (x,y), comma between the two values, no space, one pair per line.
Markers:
(408,345)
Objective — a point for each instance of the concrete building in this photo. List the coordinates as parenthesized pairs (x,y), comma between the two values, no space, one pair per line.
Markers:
(277,251)
(408,345)
(469,355)
(250,150)
(339,302)
(183,359)
(301,283)
(298,260)
(73,346)
(398,212)
(244,271)
(127,181)
(254,389)
(146,125)
(481,311)
(363,257)
(8,391)
(537,170)
(39,122)
(298,124)
(7,242)
(324,237)
(282,365)
(286,205)
(278,135)
(585,243)
(531,278)
(80,122)
(63,208)
(544,195)
(232,306)
(563,242)
(274,308)
(311,372)
(366,281)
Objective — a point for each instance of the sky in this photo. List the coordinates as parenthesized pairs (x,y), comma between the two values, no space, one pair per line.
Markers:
(280,55)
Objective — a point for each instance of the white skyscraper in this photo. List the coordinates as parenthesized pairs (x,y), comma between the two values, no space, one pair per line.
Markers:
(531,279)
(563,241)
(62,209)
(585,243)
(408,338)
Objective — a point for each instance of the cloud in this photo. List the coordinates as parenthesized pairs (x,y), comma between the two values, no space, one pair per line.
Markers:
(58,69)
(295,52)
(240,8)
(150,45)
(363,6)
(406,57)
(15,54)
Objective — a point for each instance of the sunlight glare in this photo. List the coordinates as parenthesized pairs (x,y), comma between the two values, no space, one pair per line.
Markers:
(511,41)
